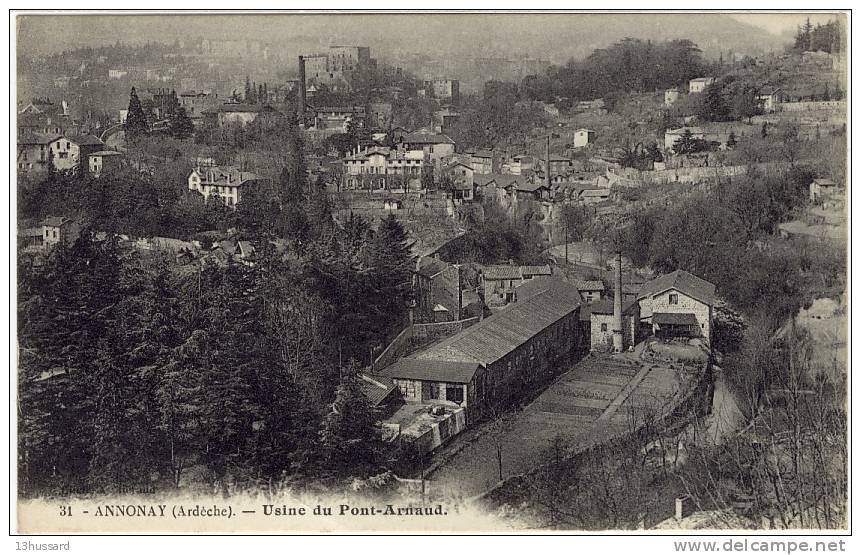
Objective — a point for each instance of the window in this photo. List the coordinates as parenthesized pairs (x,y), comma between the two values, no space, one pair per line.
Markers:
(674,298)
(64,155)
(603,327)
(68,145)
(454,393)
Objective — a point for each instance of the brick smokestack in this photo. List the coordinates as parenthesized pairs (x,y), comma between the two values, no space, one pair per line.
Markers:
(547,165)
(617,306)
(302,88)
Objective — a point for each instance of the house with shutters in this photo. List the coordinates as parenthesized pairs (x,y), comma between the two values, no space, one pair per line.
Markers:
(226,182)
(499,281)
(33,149)
(678,304)
(70,151)
(435,146)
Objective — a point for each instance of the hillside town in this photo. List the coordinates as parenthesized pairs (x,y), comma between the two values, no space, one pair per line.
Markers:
(610,293)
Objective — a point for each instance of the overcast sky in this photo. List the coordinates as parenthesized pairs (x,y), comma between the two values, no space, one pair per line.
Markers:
(777,23)
(50,33)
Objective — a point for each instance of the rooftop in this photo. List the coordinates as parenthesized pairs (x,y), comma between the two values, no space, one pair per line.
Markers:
(501,271)
(429,266)
(410,368)
(590,285)
(55,221)
(494,337)
(427,138)
(376,388)
(29,138)
(683,282)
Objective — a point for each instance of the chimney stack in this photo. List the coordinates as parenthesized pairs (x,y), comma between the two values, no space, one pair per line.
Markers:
(547,165)
(618,344)
(302,91)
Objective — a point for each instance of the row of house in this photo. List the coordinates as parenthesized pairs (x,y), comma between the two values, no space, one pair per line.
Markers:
(66,152)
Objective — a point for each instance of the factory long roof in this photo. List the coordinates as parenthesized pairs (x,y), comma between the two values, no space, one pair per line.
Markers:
(498,335)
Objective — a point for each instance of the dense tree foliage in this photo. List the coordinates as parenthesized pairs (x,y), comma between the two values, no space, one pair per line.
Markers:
(825,38)
(714,235)
(631,65)
(230,371)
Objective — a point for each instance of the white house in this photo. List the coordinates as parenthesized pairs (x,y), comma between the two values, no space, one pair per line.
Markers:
(670,96)
(436,146)
(820,188)
(227,182)
(583,137)
(378,165)
(769,98)
(70,150)
(699,84)
(678,304)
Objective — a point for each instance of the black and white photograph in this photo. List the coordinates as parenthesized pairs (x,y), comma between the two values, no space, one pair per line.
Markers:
(429,272)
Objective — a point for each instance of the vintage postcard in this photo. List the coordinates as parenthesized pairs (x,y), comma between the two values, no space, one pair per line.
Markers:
(431,272)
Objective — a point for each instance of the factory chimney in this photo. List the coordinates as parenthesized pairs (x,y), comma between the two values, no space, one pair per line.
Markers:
(301,110)
(547,165)
(618,346)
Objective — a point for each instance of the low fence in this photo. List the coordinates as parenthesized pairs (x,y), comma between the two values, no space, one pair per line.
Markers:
(835,105)
(394,350)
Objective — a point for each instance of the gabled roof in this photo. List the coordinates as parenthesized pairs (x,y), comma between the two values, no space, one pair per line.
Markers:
(84,140)
(376,388)
(543,270)
(231,108)
(683,282)
(218,175)
(530,187)
(482,154)
(429,266)
(106,153)
(455,164)
(532,287)
(30,138)
(498,335)
(55,221)
(681,130)
(501,271)
(593,285)
(502,180)
(411,368)
(427,138)
(822,182)
(595,193)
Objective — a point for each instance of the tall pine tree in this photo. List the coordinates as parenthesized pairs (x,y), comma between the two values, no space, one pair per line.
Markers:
(136,122)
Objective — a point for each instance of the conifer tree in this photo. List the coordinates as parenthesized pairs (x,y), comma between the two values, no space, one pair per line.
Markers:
(136,122)
(348,436)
